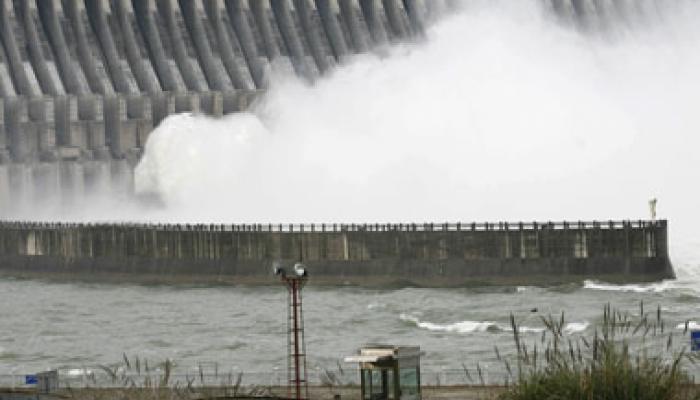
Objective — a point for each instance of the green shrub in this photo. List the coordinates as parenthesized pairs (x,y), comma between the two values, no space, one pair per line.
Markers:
(626,358)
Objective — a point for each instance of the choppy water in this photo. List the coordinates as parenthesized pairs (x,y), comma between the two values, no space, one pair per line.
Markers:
(75,326)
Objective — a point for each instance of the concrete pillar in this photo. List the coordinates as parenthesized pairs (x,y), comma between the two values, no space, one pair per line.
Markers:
(350,16)
(121,131)
(14,58)
(162,105)
(140,66)
(69,133)
(238,18)
(139,110)
(97,14)
(240,76)
(239,101)
(186,102)
(416,16)
(374,21)
(16,126)
(260,10)
(395,18)
(216,76)
(211,103)
(287,27)
(145,14)
(40,65)
(334,33)
(68,68)
(313,35)
(188,67)
(42,116)
(75,11)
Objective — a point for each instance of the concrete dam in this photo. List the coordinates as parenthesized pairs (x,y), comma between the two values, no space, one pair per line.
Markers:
(84,82)
(363,254)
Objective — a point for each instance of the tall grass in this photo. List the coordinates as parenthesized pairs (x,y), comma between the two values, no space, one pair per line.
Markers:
(626,357)
(135,379)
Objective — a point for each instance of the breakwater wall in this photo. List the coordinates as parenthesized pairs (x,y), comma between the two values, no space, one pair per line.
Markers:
(365,254)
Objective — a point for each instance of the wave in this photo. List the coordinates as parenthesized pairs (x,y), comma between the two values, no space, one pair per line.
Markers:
(73,372)
(457,327)
(682,286)
(692,325)
(485,326)
(636,288)
(575,327)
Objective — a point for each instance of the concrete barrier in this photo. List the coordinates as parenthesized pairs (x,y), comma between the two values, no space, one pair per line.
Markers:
(420,254)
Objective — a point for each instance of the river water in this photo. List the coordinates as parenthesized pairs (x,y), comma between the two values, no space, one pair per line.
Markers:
(76,327)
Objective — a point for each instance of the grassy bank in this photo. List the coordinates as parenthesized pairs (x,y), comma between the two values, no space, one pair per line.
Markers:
(626,357)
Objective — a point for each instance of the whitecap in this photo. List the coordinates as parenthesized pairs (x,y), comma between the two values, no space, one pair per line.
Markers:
(73,372)
(457,327)
(692,325)
(575,327)
(466,326)
(635,288)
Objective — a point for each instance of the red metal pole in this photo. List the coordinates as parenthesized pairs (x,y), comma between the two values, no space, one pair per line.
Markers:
(295,305)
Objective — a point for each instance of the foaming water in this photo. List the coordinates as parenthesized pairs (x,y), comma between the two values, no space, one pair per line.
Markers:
(465,327)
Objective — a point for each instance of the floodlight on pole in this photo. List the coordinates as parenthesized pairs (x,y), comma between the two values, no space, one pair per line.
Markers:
(296,347)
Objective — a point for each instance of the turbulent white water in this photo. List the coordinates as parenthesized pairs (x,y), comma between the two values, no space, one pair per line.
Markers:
(465,327)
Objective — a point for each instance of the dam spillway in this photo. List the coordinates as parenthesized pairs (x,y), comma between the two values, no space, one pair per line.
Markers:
(84,82)
(456,254)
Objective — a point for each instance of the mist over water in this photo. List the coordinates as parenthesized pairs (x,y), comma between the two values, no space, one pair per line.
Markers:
(503,112)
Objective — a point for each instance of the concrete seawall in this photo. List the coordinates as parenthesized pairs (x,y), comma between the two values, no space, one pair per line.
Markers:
(369,254)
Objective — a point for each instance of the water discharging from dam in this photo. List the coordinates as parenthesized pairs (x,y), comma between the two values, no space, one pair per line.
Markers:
(502,113)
